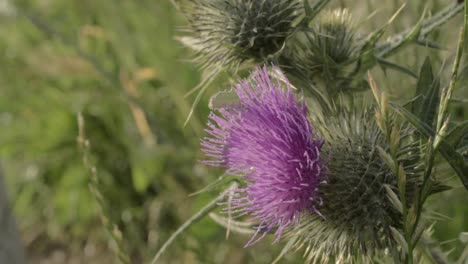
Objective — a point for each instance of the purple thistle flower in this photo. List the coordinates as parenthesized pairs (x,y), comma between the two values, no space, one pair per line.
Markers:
(266,139)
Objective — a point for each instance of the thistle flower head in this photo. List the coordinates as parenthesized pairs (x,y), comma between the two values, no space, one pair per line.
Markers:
(358,215)
(267,140)
(229,32)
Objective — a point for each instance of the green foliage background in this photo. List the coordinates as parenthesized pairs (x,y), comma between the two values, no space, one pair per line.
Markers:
(113,61)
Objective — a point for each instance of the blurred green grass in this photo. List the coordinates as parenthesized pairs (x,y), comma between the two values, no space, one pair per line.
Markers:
(131,94)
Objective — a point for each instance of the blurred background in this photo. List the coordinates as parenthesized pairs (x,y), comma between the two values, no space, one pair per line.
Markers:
(118,63)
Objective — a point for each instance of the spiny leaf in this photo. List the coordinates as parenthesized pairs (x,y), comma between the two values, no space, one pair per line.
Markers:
(440,18)
(427,94)
(406,39)
(367,57)
(455,136)
(454,158)
(428,26)
(388,64)
(429,44)
(367,54)
(438,188)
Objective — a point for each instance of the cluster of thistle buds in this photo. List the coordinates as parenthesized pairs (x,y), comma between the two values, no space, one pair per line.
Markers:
(340,181)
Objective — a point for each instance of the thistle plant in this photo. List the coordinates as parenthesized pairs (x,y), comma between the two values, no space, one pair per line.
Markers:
(346,182)
(319,51)
(308,157)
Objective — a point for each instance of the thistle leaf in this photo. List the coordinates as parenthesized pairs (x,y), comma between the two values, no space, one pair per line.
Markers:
(454,158)
(429,25)
(367,52)
(438,188)
(455,136)
(427,94)
(388,64)
(429,44)
(409,37)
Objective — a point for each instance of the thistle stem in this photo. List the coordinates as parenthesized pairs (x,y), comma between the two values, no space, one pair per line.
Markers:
(192,220)
(428,26)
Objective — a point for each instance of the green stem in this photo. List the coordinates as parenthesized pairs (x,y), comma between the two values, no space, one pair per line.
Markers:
(428,26)
(448,94)
(94,185)
(192,220)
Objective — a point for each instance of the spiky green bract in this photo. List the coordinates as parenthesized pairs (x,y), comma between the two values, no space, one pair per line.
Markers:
(319,53)
(229,32)
(357,212)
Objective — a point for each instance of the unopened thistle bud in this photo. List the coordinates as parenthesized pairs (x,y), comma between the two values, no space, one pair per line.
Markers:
(320,52)
(227,33)
(333,37)
(358,215)
(266,139)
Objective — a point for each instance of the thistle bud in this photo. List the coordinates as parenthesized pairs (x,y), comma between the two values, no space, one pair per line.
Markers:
(320,52)
(227,33)
(333,36)
(358,215)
